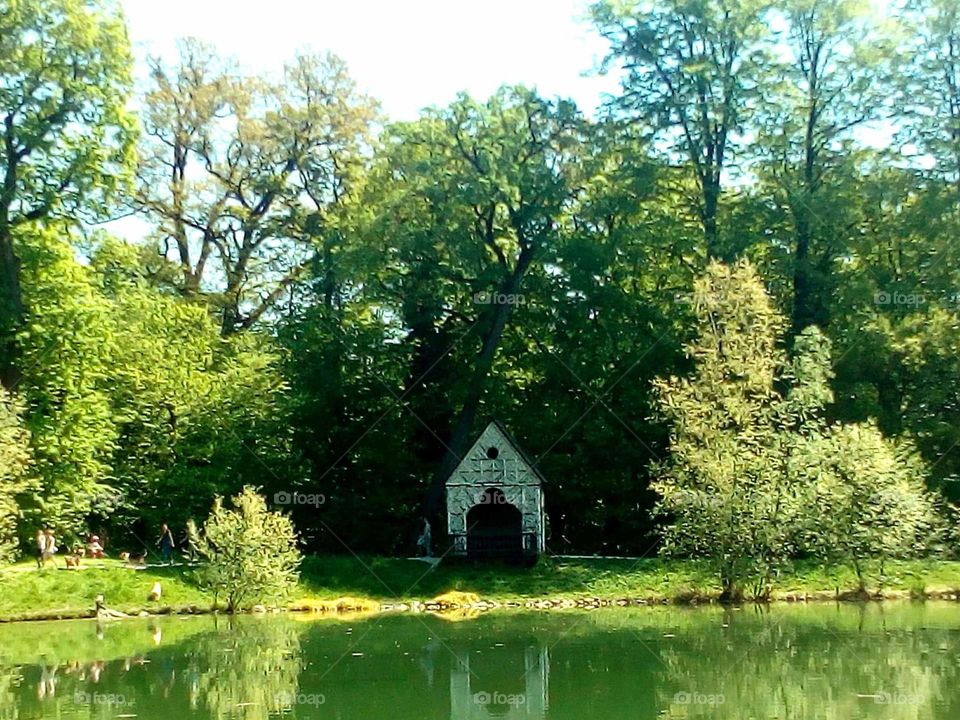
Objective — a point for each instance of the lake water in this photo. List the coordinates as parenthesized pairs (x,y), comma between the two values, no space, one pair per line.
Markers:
(898,660)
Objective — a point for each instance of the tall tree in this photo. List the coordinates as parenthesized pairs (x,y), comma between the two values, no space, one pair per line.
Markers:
(478,191)
(603,316)
(932,85)
(756,474)
(247,174)
(196,415)
(689,69)
(66,343)
(66,134)
(835,78)
(723,482)
(869,499)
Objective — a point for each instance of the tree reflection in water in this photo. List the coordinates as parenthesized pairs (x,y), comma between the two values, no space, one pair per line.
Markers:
(897,662)
(228,668)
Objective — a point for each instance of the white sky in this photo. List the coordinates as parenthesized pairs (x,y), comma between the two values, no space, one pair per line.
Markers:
(406,53)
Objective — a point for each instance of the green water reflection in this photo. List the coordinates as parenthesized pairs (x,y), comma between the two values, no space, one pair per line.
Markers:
(824,661)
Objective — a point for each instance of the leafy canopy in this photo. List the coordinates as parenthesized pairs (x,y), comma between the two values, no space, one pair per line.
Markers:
(251,552)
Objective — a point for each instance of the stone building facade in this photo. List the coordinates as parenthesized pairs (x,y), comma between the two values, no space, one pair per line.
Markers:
(495,500)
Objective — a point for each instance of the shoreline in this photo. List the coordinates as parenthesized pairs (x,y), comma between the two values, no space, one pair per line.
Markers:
(353,607)
(348,586)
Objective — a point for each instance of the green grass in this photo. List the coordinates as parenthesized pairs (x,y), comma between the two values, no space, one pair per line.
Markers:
(915,577)
(391,579)
(26,592)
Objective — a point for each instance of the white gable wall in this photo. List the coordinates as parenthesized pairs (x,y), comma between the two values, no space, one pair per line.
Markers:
(509,472)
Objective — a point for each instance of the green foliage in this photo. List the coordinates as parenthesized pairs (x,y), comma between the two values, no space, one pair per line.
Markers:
(755,475)
(14,462)
(808,374)
(65,77)
(66,344)
(903,372)
(137,408)
(690,69)
(197,415)
(245,178)
(868,497)
(313,308)
(724,485)
(933,87)
(251,552)
(834,79)
(66,66)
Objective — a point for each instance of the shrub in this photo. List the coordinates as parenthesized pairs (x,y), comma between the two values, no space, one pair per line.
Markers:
(723,488)
(251,552)
(869,499)
(756,475)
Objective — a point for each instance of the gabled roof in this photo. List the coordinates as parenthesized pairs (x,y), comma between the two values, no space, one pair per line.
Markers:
(511,440)
(517,447)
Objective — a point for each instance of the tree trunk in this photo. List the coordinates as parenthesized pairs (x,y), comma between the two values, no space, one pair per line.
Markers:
(861,583)
(430,402)
(11,294)
(711,200)
(731,592)
(460,436)
(803,314)
(11,306)
(805,306)
(230,320)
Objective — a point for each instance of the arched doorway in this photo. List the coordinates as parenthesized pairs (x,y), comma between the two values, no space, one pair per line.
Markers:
(494,528)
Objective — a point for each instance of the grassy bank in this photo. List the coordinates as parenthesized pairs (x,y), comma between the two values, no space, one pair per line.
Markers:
(27,593)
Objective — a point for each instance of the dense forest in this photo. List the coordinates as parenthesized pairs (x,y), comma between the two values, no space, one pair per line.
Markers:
(329,302)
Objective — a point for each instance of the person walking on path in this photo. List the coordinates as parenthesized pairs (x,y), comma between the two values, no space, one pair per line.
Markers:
(424,541)
(41,548)
(50,545)
(166,544)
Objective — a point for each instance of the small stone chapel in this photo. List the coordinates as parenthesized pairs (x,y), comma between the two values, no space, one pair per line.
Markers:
(495,501)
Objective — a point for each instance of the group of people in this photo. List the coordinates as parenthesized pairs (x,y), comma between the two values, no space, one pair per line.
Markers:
(188,543)
(46,547)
